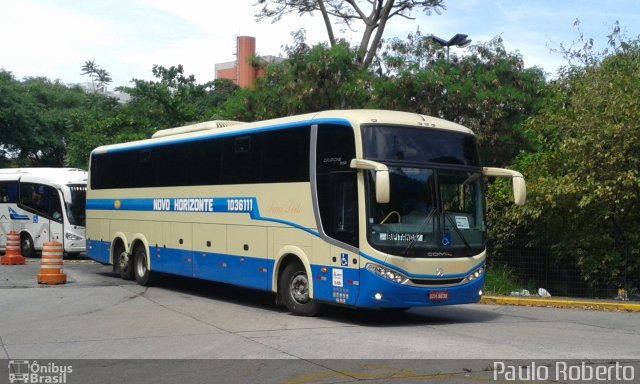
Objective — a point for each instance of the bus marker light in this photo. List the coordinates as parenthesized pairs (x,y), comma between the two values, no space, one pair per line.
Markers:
(323,270)
(480,293)
(378,296)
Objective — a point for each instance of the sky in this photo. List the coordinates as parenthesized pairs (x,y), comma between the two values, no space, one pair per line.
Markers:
(54,38)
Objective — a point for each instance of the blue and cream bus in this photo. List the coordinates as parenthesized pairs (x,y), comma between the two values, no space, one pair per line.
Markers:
(361,208)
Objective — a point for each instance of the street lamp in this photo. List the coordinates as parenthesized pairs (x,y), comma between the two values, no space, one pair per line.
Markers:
(460,40)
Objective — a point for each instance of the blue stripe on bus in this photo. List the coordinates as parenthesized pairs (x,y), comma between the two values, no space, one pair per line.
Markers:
(348,286)
(13,215)
(99,251)
(248,205)
(251,272)
(297,124)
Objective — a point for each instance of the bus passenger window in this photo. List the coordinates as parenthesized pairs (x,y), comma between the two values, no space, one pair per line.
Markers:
(42,200)
(8,192)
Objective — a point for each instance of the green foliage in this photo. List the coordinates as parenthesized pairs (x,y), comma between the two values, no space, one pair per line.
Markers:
(487,90)
(576,139)
(584,177)
(174,99)
(502,280)
(371,16)
(311,79)
(37,117)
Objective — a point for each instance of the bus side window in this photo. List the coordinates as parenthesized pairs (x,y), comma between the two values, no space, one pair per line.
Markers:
(30,197)
(143,168)
(42,199)
(9,192)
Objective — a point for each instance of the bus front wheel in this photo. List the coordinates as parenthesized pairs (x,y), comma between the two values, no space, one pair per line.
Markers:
(294,288)
(27,248)
(143,274)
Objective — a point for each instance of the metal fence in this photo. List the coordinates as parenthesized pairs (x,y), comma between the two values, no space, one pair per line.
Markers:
(531,268)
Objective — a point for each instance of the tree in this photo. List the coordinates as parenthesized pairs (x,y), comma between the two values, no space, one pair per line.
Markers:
(97,75)
(584,179)
(488,90)
(37,118)
(372,15)
(313,78)
(100,78)
(174,98)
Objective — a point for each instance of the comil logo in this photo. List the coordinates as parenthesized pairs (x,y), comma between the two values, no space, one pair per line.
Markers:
(26,372)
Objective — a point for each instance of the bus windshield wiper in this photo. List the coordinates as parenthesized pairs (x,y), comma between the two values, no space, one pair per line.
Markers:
(459,232)
(415,239)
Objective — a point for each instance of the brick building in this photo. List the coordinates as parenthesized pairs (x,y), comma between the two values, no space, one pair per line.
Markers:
(242,71)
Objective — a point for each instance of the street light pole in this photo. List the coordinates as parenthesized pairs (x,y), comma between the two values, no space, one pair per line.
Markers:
(460,40)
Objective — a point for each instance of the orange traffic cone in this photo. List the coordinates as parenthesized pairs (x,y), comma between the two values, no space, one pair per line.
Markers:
(12,254)
(51,265)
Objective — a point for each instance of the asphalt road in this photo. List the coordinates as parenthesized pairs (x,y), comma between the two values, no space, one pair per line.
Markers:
(96,315)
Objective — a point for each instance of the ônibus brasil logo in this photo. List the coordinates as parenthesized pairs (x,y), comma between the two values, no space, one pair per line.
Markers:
(26,372)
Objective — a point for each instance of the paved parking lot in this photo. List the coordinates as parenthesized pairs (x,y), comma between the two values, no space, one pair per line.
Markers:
(96,315)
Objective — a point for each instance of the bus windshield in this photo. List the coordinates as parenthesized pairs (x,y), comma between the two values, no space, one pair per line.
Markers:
(436,207)
(76,209)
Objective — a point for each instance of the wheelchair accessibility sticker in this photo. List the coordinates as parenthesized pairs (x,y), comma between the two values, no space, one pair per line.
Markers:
(446,240)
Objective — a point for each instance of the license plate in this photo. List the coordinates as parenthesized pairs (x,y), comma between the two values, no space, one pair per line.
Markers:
(438,296)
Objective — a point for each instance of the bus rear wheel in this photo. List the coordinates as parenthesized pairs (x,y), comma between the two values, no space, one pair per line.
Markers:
(123,263)
(143,274)
(294,290)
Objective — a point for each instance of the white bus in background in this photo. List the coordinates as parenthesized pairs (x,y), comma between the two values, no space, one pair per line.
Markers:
(42,205)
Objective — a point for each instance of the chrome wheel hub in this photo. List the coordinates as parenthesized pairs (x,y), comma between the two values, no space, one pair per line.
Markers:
(300,288)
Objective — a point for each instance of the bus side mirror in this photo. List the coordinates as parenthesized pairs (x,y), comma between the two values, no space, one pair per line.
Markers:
(382,187)
(383,194)
(519,185)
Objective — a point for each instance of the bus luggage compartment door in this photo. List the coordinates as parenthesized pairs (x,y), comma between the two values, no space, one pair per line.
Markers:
(247,256)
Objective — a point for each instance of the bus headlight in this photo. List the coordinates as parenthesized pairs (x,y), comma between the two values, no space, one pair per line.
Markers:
(71,236)
(474,275)
(387,273)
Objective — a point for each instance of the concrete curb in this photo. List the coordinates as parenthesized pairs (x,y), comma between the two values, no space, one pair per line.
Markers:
(561,303)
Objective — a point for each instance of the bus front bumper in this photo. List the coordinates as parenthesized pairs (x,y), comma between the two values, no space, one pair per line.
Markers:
(376,292)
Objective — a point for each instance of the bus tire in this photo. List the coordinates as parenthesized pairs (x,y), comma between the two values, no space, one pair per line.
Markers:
(294,290)
(123,263)
(141,270)
(27,247)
